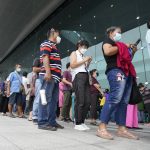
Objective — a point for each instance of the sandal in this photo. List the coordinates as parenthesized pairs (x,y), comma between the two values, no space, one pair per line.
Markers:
(11,115)
(23,116)
(127,134)
(104,134)
(94,123)
(29,119)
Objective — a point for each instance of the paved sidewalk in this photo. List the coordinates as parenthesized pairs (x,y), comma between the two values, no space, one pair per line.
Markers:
(20,134)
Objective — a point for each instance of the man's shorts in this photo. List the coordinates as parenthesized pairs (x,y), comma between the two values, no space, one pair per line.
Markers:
(16,98)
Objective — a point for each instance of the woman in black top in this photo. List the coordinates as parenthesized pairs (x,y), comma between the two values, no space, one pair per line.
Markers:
(120,87)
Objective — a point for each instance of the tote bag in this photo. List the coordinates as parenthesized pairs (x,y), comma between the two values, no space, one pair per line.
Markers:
(135,96)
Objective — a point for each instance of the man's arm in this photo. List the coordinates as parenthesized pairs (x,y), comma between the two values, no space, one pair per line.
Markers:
(66,82)
(8,88)
(46,64)
(36,69)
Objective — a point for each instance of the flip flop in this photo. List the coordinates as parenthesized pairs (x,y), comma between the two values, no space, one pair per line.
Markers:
(127,134)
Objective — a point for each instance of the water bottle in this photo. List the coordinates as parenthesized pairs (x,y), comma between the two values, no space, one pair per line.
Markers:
(43,97)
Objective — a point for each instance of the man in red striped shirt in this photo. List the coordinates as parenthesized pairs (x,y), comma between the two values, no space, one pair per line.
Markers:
(50,77)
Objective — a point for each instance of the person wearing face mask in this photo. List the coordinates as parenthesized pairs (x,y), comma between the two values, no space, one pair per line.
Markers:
(120,73)
(14,87)
(50,76)
(95,92)
(80,76)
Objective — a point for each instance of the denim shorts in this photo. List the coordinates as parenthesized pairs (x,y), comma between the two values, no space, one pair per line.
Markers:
(16,98)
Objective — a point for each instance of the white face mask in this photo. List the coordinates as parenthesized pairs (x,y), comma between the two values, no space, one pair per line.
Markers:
(117,37)
(83,50)
(18,69)
(58,39)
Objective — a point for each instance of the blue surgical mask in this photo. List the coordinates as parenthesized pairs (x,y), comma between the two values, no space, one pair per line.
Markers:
(117,37)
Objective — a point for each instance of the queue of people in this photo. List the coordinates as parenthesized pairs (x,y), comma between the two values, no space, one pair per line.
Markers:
(40,93)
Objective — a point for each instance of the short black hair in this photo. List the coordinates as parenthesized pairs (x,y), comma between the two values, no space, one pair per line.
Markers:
(82,43)
(17,65)
(106,90)
(51,30)
(25,74)
(67,65)
(141,85)
(148,24)
(92,71)
(111,29)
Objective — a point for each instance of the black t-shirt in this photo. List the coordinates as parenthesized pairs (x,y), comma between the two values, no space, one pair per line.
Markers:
(110,60)
(36,63)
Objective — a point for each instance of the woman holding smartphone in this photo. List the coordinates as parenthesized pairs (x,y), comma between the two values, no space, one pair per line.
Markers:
(120,81)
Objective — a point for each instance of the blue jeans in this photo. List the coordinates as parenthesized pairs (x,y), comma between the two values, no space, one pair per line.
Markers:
(120,91)
(141,116)
(47,113)
(36,99)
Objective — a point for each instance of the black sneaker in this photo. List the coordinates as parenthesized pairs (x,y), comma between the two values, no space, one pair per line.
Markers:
(137,128)
(50,128)
(58,126)
(68,120)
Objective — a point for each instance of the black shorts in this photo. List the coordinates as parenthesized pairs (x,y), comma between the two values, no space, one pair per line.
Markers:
(16,98)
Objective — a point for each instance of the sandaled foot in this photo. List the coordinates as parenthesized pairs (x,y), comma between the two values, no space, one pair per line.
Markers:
(127,134)
(104,134)
(11,115)
(94,123)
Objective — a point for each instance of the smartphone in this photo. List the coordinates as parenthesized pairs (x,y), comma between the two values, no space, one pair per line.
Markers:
(137,42)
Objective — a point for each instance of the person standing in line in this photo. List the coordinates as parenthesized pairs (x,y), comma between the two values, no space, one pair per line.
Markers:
(24,95)
(141,109)
(37,87)
(50,76)
(67,80)
(31,78)
(81,84)
(120,81)
(146,98)
(61,99)
(95,92)
(148,37)
(14,91)
(3,98)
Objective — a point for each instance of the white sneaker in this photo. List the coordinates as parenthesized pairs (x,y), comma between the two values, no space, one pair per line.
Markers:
(79,127)
(85,126)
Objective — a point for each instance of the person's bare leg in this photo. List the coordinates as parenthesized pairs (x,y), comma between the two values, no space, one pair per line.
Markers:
(20,113)
(60,116)
(10,108)
(93,121)
(30,116)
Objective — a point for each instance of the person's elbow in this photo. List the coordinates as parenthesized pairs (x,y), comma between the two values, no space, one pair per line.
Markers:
(72,65)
